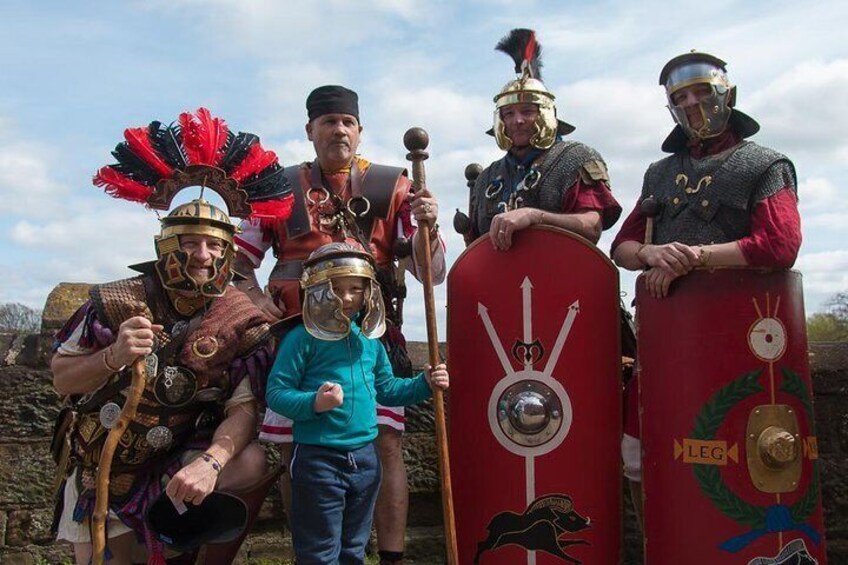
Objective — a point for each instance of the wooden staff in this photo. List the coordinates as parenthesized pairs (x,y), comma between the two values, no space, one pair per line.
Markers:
(416,141)
(104,468)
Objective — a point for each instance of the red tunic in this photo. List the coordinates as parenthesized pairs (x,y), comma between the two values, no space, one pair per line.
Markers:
(774,241)
(596,197)
(775,223)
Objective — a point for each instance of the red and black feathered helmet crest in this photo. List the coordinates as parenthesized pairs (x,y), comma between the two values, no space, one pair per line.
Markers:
(157,161)
(198,150)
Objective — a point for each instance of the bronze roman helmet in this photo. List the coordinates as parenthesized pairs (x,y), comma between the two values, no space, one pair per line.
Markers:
(526,52)
(198,150)
(197,217)
(323,316)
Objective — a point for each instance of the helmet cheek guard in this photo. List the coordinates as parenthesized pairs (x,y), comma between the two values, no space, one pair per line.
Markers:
(530,91)
(700,68)
(715,113)
(525,51)
(323,313)
(499,129)
(546,127)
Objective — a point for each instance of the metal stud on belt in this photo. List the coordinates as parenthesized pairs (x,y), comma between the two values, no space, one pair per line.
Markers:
(159,437)
(109,415)
(175,386)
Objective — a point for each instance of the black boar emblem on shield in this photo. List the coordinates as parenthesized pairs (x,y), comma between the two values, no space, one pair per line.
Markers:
(542,527)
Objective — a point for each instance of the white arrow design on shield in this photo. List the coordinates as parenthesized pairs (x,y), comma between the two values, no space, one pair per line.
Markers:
(573,310)
(527,305)
(483,312)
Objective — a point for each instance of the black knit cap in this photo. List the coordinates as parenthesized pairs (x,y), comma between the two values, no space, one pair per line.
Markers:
(332,99)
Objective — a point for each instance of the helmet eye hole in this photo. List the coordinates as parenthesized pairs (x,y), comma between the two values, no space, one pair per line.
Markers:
(692,94)
(194,243)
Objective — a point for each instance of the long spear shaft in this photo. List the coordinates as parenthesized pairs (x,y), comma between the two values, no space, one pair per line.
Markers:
(416,141)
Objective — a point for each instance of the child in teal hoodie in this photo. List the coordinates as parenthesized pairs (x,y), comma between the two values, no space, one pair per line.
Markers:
(329,374)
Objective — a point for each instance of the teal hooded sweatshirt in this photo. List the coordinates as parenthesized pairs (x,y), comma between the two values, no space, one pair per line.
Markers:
(360,365)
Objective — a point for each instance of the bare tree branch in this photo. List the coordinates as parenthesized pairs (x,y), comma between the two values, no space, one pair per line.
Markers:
(16,317)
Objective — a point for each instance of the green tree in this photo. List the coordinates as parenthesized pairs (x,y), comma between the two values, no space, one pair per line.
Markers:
(824,326)
(832,324)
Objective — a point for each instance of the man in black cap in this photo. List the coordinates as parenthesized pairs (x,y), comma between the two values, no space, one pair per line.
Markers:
(343,196)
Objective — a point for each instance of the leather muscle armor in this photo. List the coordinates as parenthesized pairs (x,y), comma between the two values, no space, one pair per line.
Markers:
(231,327)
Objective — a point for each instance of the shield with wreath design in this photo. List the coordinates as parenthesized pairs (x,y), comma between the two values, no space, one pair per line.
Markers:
(730,462)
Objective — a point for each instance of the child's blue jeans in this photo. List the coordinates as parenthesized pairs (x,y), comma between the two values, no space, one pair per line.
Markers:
(333,495)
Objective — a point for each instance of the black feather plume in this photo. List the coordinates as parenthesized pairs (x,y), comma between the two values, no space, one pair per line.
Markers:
(167,140)
(516,44)
(270,182)
(132,166)
(236,149)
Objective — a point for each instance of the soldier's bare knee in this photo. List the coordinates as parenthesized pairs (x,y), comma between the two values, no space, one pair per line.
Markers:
(389,444)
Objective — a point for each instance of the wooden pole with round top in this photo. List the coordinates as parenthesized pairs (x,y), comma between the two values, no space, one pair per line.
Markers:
(416,140)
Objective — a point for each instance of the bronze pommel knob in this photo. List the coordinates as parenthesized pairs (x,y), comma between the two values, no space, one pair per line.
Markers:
(650,207)
(416,141)
(777,447)
(461,222)
(472,171)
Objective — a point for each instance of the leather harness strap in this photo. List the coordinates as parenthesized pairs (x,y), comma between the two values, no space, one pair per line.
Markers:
(376,186)
(298,223)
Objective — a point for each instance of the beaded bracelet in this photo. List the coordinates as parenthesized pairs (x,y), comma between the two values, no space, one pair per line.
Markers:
(212,460)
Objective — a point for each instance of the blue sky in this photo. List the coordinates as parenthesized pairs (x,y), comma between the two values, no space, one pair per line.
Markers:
(76,74)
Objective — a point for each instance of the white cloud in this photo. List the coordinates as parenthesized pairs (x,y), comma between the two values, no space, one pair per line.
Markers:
(451,118)
(109,230)
(284,95)
(802,111)
(26,181)
(822,207)
(818,194)
(92,245)
(825,274)
(295,151)
(298,31)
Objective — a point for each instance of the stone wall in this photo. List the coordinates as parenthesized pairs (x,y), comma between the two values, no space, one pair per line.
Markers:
(28,406)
